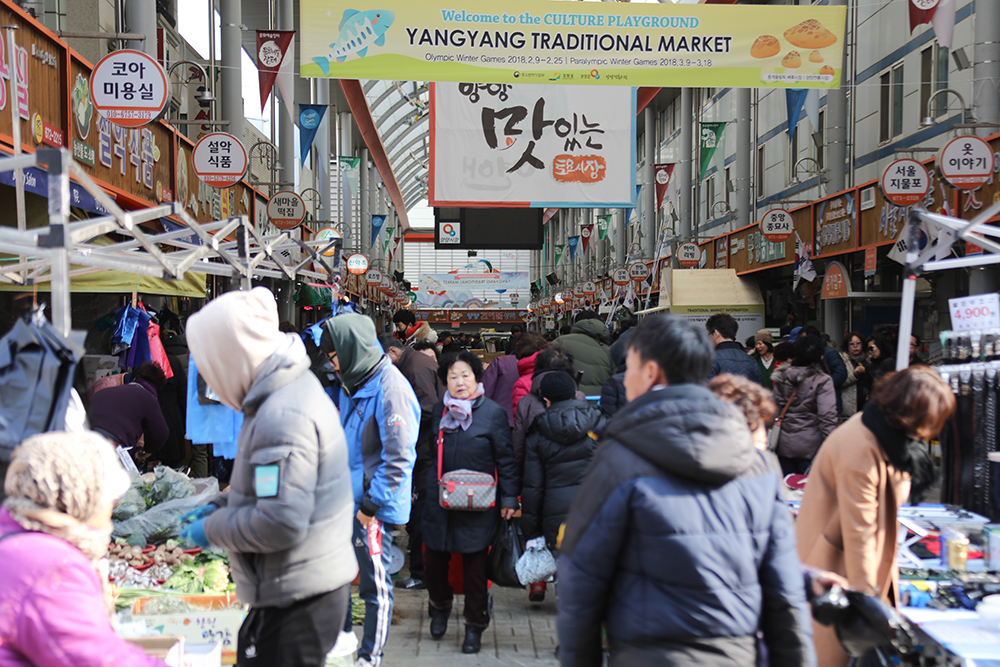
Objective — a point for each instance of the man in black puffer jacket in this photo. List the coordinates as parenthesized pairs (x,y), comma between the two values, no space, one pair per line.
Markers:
(678,539)
(730,357)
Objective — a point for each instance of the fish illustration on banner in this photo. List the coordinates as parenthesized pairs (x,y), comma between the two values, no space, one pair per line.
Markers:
(310,116)
(572,241)
(358,31)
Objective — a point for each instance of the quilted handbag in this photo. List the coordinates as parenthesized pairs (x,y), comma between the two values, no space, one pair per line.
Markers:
(536,563)
(774,435)
(467,490)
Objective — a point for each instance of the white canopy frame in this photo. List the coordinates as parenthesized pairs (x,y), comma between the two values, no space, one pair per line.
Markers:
(49,251)
(975,230)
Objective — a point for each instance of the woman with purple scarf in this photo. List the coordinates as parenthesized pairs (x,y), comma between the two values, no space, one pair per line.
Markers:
(471,433)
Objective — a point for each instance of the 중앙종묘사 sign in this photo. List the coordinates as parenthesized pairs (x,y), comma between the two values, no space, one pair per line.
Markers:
(535,41)
(531,146)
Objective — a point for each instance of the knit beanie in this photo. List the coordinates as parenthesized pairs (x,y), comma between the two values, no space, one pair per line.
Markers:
(558,386)
(231,337)
(763,335)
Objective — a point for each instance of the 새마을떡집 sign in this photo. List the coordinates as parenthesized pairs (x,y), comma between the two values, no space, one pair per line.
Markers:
(585,43)
(129,88)
(531,146)
(286,210)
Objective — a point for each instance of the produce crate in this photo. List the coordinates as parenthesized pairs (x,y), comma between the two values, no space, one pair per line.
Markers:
(217,623)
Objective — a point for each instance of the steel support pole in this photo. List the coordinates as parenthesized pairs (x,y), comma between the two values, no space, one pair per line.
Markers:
(744,152)
(621,243)
(231,17)
(286,124)
(322,146)
(648,186)
(140,16)
(58,168)
(363,185)
(986,65)
(909,295)
(836,129)
(684,167)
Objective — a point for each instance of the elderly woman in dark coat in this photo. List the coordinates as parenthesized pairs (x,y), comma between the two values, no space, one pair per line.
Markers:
(472,433)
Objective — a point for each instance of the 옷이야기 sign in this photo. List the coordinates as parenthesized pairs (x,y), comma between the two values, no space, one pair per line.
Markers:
(602,44)
(531,146)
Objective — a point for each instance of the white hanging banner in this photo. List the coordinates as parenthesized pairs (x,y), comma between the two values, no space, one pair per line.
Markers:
(539,146)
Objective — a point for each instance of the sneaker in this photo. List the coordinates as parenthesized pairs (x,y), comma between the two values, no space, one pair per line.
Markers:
(363,662)
(411,584)
(347,644)
(536,592)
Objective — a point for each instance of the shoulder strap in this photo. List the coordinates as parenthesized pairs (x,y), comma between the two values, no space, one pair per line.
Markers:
(785,409)
(441,441)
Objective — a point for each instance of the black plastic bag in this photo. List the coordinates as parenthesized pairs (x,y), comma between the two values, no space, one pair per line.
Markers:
(501,567)
(865,626)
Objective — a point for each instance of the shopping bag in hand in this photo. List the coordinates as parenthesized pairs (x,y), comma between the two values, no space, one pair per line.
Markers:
(501,567)
(536,563)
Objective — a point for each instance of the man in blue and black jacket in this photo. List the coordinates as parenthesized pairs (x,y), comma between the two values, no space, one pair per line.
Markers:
(678,538)
(381,419)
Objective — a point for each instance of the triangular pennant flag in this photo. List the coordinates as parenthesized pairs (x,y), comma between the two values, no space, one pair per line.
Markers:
(719,157)
(388,239)
(586,231)
(272,45)
(603,222)
(944,23)
(812,108)
(377,222)
(919,16)
(559,250)
(803,265)
(349,168)
(794,99)
(572,242)
(310,116)
(662,174)
(710,133)
(286,79)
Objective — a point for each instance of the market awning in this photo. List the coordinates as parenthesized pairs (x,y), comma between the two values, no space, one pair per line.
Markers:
(104,281)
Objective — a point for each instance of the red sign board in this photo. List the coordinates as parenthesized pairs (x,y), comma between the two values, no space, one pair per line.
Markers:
(836,282)
(871,261)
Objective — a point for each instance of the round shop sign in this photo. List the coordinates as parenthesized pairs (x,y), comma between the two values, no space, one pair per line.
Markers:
(373,277)
(546,302)
(638,271)
(688,254)
(286,210)
(568,296)
(578,291)
(966,162)
(326,235)
(357,264)
(905,182)
(558,297)
(385,285)
(129,88)
(219,159)
(621,277)
(590,288)
(777,226)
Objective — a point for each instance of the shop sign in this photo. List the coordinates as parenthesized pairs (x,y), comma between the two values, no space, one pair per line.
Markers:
(721,252)
(286,210)
(546,302)
(589,288)
(638,271)
(905,182)
(578,291)
(836,282)
(621,277)
(326,235)
(688,254)
(777,225)
(385,286)
(357,264)
(21,67)
(567,296)
(761,251)
(49,135)
(981,311)
(834,225)
(129,88)
(373,277)
(219,159)
(871,261)
(966,162)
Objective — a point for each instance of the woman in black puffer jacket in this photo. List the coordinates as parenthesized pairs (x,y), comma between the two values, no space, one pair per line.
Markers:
(559,448)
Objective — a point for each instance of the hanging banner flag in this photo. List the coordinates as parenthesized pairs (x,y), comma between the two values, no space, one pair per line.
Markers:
(559,250)
(596,44)
(921,12)
(531,146)
(572,242)
(349,167)
(661,174)
(944,23)
(272,49)
(586,231)
(710,134)
(794,99)
(803,265)
(377,222)
(603,223)
(388,239)
(631,209)
(310,116)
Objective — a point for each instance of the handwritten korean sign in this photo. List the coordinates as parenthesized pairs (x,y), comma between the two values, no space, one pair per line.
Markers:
(531,145)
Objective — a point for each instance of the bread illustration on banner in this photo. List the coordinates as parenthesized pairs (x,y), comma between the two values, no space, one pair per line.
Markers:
(358,31)
(792,60)
(765,46)
(826,69)
(810,35)
(815,57)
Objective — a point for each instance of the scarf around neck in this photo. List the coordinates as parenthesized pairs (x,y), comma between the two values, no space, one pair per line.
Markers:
(458,411)
(905,453)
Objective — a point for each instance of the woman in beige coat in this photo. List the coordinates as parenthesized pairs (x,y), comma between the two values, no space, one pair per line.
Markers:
(860,477)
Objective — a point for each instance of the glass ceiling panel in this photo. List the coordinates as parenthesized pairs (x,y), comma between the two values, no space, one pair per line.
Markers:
(400,110)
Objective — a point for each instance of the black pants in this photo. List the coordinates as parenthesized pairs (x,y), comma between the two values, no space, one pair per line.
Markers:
(790,466)
(297,636)
(477,595)
(416,535)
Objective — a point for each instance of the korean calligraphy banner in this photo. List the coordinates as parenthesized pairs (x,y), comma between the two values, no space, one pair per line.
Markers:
(598,44)
(531,146)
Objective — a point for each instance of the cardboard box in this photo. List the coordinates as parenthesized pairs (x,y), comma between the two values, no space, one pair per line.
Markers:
(169,649)
(203,655)
(217,623)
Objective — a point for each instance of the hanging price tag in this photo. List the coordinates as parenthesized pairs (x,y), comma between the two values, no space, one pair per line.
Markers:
(981,311)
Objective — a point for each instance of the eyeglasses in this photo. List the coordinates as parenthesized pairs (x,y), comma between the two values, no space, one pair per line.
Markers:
(856,343)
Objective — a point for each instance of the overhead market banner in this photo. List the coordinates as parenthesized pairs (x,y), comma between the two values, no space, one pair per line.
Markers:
(460,289)
(531,146)
(603,44)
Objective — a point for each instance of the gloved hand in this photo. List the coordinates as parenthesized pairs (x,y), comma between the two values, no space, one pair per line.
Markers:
(198,513)
(194,533)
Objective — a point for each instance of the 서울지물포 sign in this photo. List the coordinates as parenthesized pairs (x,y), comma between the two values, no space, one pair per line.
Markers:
(129,88)
(531,146)
(219,159)
(905,182)
(603,44)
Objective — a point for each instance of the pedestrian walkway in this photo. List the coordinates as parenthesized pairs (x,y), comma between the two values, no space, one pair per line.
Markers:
(520,633)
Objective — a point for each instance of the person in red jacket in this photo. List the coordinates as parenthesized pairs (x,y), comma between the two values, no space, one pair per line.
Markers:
(528,347)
